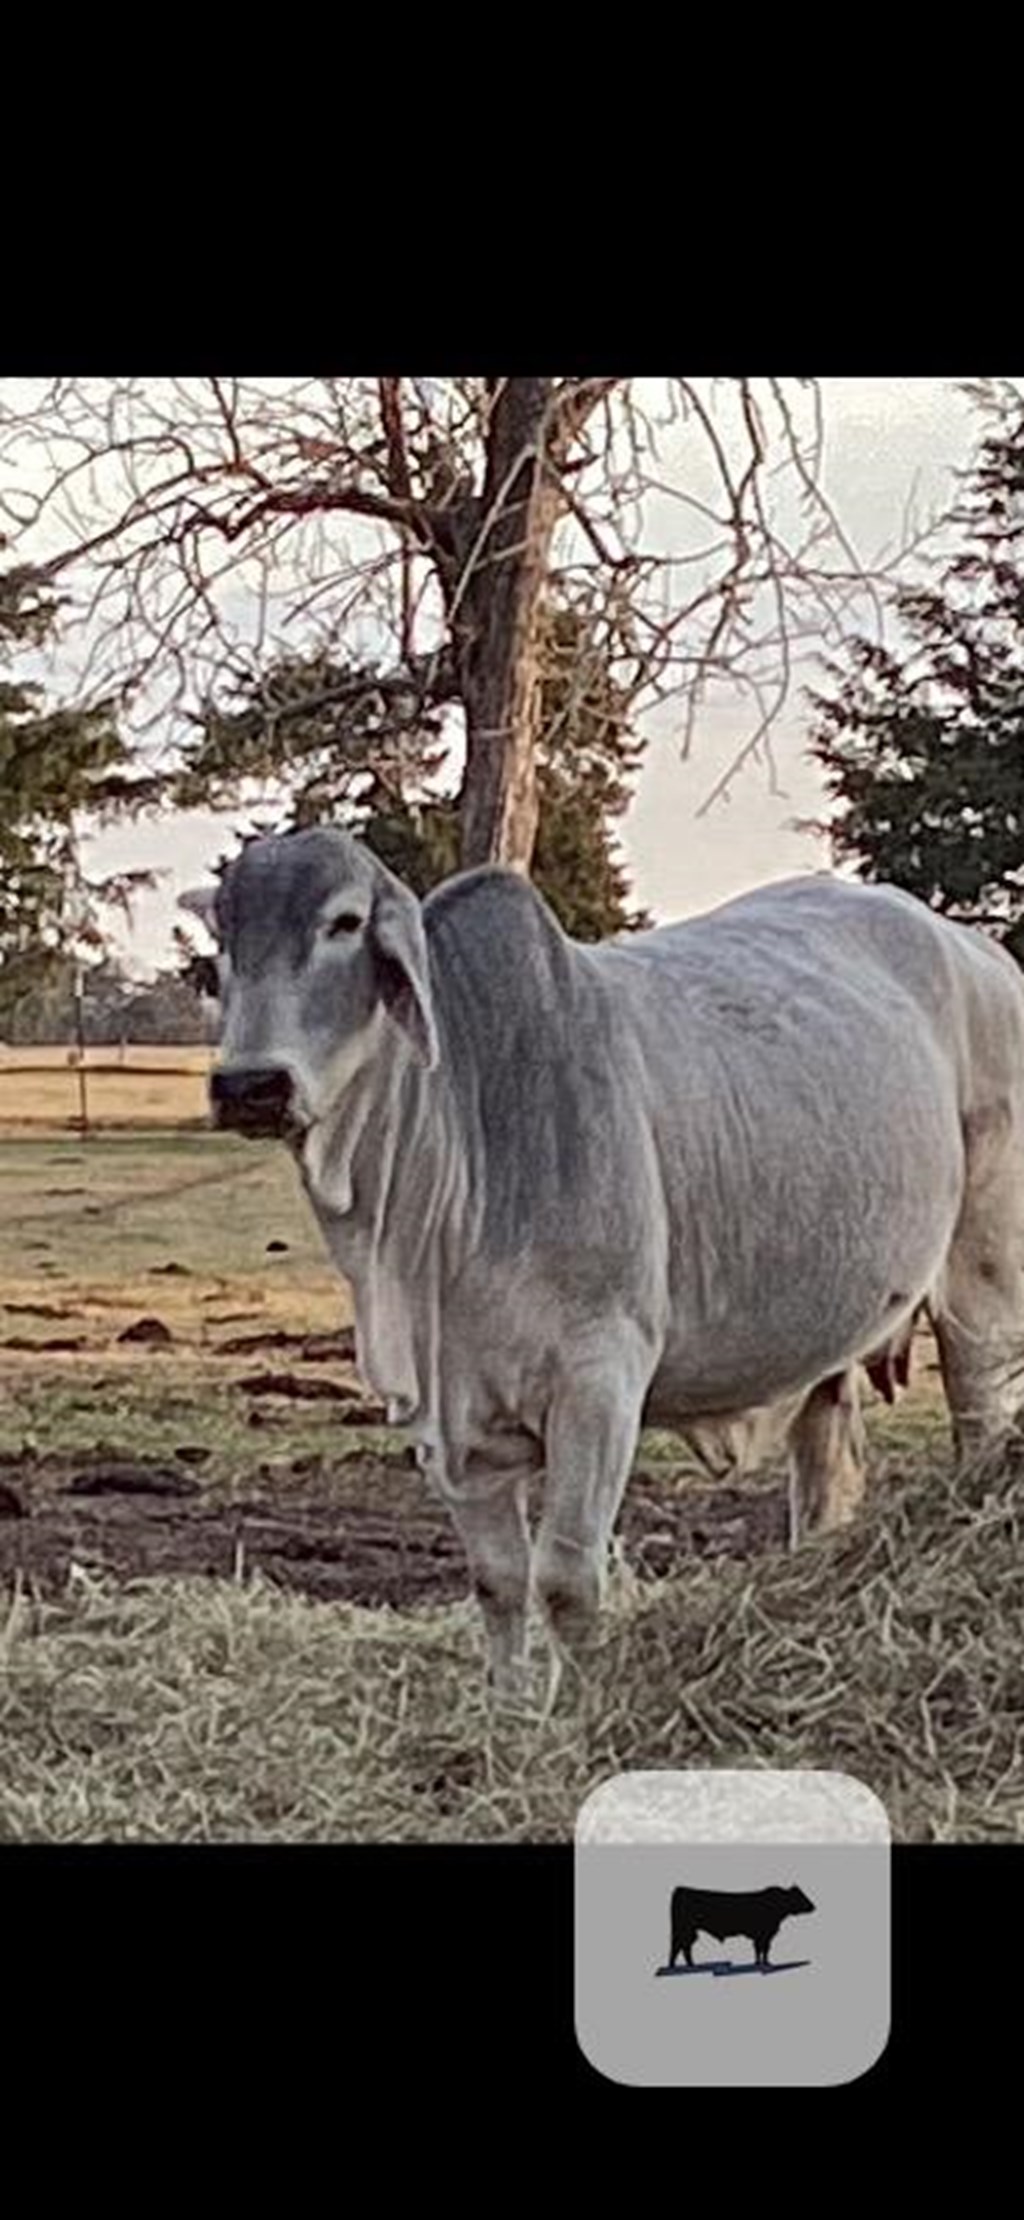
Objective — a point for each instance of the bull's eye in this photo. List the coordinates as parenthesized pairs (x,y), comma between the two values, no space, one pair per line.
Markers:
(344,925)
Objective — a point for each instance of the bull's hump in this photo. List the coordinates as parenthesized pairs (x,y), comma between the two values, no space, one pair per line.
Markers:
(490,886)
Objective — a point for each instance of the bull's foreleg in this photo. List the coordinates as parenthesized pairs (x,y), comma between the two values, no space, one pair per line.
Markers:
(592,1432)
(763,1946)
(490,1514)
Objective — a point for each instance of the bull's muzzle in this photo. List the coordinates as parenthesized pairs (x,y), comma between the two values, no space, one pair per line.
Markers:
(257,1100)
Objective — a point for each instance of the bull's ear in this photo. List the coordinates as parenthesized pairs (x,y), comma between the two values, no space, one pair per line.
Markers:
(403,968)
(200,901)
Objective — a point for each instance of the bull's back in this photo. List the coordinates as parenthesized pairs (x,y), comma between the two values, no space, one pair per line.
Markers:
(722,1912)
(875,947)
(813,1052)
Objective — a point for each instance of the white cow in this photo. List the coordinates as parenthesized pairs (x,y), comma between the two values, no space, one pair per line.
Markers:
(693,1177)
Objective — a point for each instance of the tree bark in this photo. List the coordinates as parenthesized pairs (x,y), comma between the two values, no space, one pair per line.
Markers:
(498,553)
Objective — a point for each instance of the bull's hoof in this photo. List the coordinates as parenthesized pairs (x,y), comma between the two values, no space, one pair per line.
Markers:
(507,1683)
(574,1653)
(573,1626)
(816,1525)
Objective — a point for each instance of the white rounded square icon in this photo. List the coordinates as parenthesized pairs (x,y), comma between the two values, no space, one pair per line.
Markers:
(732,1929)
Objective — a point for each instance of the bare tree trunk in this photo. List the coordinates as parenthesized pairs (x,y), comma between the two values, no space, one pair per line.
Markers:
(494,569)
(505,594)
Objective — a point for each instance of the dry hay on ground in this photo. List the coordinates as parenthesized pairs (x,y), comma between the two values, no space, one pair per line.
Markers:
(196,1711)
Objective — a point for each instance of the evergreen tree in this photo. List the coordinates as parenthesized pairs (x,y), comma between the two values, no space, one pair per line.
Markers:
(923,748)
(54,764)
(351,747)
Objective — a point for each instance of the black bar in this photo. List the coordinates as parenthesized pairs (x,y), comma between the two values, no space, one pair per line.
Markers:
(441,1973)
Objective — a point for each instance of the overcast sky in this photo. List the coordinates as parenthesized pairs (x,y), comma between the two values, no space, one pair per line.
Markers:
(884,439)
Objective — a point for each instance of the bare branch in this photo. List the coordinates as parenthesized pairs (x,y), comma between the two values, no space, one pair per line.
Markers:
(197,522)
(399,482)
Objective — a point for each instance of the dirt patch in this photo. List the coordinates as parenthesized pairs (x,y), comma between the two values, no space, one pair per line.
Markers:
(132,1479)
(41,1310)
(151,1332)
(363,1529)
(662,1522)
(304,1391)
(60,1346)
(339,1348)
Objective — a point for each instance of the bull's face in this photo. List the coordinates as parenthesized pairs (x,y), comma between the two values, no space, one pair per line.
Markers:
(798,1902)
(320,952)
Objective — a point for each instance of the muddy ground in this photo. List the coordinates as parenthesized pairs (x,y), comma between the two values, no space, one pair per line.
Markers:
(178,1395)
(363,1528)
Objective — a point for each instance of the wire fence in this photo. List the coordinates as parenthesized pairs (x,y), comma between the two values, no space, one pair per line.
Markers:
(103,1089)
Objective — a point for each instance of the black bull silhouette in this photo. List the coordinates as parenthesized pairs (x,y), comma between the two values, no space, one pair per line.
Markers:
(757,1915)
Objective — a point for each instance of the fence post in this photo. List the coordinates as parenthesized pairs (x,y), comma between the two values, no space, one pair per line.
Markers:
(83,1084)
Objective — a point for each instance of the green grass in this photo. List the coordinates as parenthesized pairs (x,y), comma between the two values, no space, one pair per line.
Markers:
(209,1205)
(150,1408)
(207,1202)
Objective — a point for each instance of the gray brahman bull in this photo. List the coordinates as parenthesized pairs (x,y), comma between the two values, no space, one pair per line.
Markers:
(690,1178)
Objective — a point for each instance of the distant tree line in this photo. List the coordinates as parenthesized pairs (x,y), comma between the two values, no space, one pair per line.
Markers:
(165,1010)
(55,762)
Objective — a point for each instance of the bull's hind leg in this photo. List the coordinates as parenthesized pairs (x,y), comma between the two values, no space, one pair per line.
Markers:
(827,1458)
(977,1310)
(592,1433)
(684,1942)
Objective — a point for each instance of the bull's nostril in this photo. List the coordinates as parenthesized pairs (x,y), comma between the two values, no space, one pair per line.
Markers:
(264,1083)
(253,1099)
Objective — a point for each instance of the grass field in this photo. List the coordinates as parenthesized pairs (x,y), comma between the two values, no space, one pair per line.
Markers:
(229,1610)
